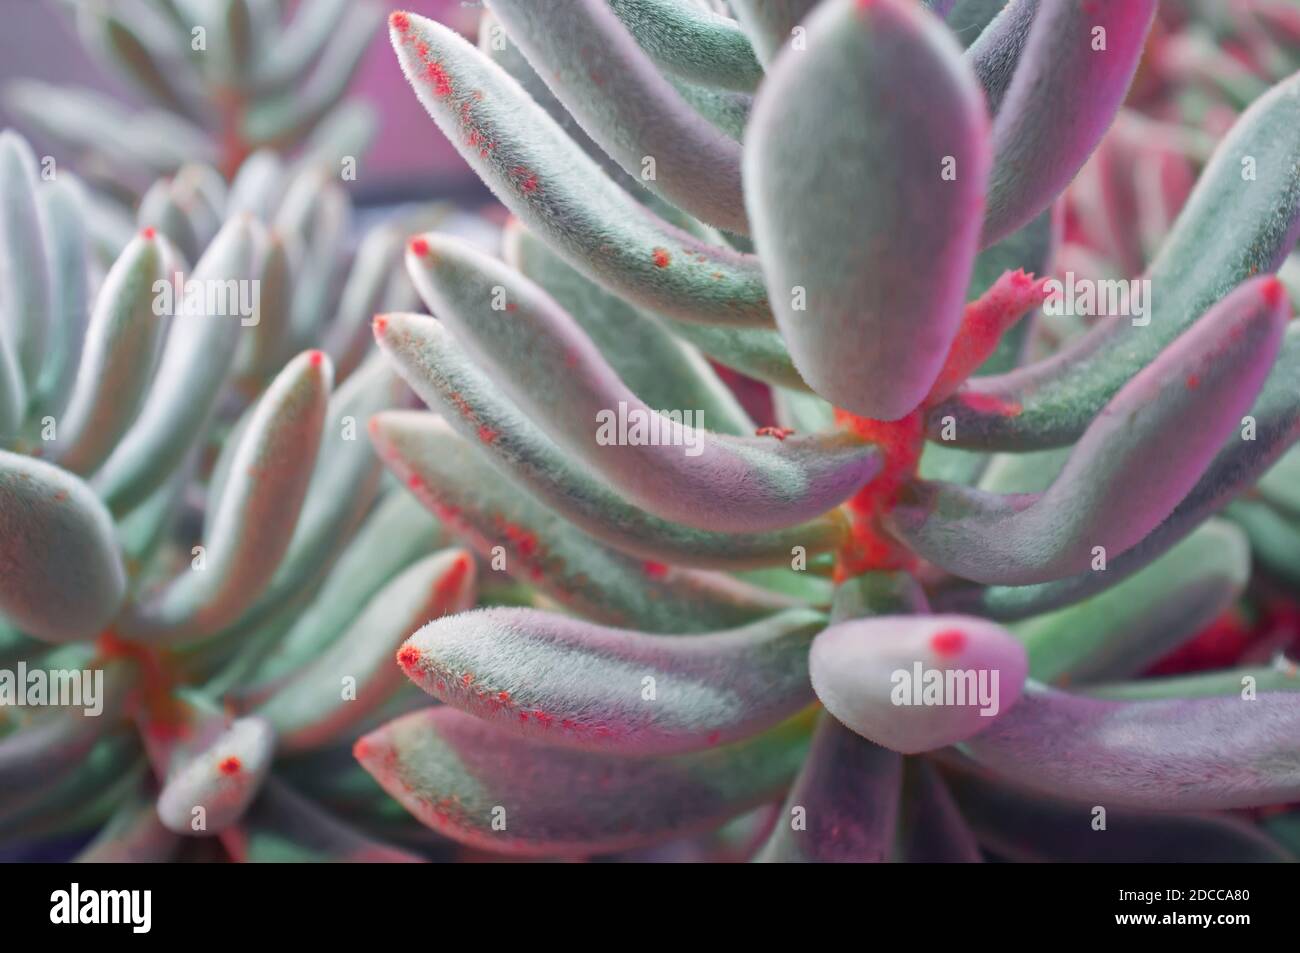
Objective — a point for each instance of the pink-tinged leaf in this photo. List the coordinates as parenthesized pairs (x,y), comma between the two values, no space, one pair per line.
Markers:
(221,780)
(315,705)
(1172,755)
(605,81)
(57,738)
(916,683)
(867,277)
(995,53)
(282,826)
(118,358)
(133,835)
(545,179)
(439,371)
(1130,469)
(931,828)
(495,791)
(1073,74)
(191,371)
(565,682)
(1031,828)
(540,548)
(549,367)
(843,807)
(253,520)
(61,571)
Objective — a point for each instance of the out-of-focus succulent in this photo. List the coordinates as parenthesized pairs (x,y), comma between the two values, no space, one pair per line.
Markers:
(194,529)
(224,78)
(969,573)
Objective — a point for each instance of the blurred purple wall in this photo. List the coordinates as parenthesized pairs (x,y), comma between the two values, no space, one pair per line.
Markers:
(409,156)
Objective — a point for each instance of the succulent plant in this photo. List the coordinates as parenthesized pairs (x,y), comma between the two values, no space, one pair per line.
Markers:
(224,77)
(917,606)
(193,526)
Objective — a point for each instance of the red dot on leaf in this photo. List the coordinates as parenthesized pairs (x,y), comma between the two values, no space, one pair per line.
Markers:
(948,642)
(419,247)
(231,765)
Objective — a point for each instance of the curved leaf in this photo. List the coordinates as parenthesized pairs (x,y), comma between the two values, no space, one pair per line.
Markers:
(1127,473)
(456,774)
(61,573)
(691,42)
(193,367)
(914,684)
(594,67)
(846,796)
(564,682)
(255,518)
(546,180)
(213,789)
(549,367)
(118,358)
(868,284)
(1045,129)
(430,361)
(356,673)
(537,547)
(1051,402)
(1175,755)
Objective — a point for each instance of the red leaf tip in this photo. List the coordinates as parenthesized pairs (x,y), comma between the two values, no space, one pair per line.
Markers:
(399,21)
(408,656)
(149,234)
(1273,291)
(315,358)
(380,324)
(419,247)
(230,766)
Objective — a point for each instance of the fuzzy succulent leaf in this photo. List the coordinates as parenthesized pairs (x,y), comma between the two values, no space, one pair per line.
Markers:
(769,23)
(692,42)
(397,533)
(118,358)
(841,260)
(456,774)
(931,827)
(995,52)
(565,682)
(1121,631)
(655,363)
(549,367)
(255,517)
(61,572)
(439,372)
(194,364)
(1033,829)
(855,666)
(1045,130)
(1211,374)
(551,185)
(25,281)
(542,549)
(1051,402)
(605,81)
(1206,753)
(848,791)
(222,780)
(305,711)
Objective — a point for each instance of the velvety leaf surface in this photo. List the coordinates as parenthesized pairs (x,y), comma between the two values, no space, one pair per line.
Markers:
(842,261)
(458,775)
(570,683)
